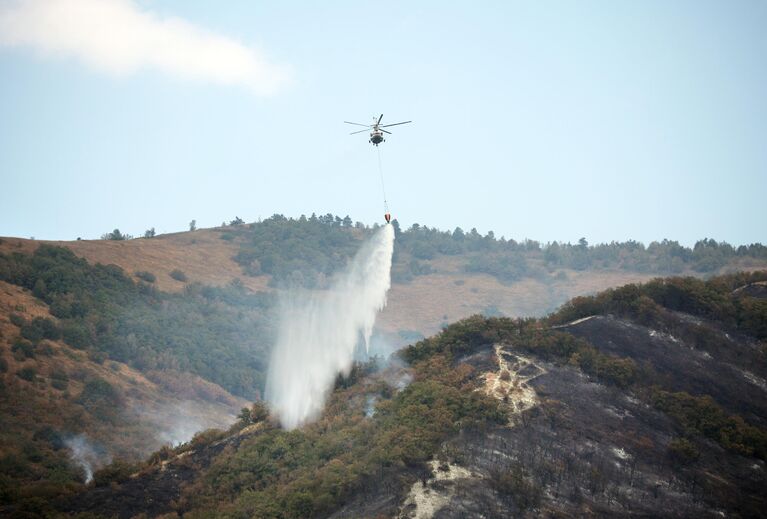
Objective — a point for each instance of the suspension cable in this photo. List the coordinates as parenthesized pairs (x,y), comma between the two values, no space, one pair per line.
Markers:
(383,187)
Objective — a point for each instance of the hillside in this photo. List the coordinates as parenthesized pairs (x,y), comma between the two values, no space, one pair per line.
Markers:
(650,402)
(467,272)
(95,367)
(122,346)
(67,411)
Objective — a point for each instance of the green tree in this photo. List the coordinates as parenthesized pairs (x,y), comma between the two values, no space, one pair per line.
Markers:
(116,235)
(178,275)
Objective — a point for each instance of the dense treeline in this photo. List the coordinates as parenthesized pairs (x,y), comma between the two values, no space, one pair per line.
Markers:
(664,257)
(466,336)
(219,333)
(305,251)
(702,416)
(299,252)
(716,299)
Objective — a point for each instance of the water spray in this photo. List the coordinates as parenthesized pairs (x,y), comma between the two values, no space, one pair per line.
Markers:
(319,332)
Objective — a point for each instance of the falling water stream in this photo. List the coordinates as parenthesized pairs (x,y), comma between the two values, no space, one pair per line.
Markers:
(319,332)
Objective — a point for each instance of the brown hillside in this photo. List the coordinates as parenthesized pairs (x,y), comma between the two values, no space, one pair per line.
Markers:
(422,305)
(157,408)
(428,302)
(201,255)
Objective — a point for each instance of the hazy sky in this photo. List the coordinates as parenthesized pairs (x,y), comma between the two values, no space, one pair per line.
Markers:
(549,120)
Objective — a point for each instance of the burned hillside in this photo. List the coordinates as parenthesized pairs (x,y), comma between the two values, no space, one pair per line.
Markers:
(629,402)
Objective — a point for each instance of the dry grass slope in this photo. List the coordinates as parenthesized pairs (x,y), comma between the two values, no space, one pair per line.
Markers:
(202,255)
(424,305)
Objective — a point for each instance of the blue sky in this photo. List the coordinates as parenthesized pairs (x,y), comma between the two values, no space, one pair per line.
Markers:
(546,120)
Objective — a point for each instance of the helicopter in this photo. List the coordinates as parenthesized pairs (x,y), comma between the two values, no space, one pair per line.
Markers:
(376,129)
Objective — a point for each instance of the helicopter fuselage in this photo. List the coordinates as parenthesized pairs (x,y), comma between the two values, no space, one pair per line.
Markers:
(376,129)
(376,137)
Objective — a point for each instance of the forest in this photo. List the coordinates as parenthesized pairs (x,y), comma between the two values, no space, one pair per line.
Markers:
(219,333)
(304,251)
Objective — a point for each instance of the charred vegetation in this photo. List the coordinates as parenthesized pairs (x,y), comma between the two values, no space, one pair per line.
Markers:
(625,419)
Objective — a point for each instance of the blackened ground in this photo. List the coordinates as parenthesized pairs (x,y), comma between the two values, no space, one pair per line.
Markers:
(757,290)
(154,492)
(698,358)
(589,449)
(584,449)
(381,497)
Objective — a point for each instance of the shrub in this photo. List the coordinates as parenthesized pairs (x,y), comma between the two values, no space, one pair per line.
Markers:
(31,333)
(28,374)
(146,289)
(76,335)
(17,319)
(59,374)
(703,416)
(116,235)
(12,465)
(516,486)
(178,275)
(116,472)
(45,348)
(259,412)
(207,437)
(22,349)
(682,451)
(101,400)
(161,455)
(49,435)
(48,328)
(97,356)
(244,417)
(98,391)
(32,452)
(146,276)
(41,328)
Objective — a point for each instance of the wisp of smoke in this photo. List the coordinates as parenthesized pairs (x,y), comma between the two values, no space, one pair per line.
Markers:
(85,455)
(179,429)
(370,406)
(318,332)
(177,421)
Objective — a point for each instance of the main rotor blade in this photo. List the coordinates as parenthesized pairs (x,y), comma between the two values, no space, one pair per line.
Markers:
(395,124)
(361,131)
(379,119)
(358,124)
(384,131)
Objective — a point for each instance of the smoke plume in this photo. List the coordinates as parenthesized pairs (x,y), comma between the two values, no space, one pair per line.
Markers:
(85,455)
(318,332)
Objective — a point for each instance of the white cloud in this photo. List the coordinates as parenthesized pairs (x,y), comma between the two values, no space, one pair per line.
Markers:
(120,38)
